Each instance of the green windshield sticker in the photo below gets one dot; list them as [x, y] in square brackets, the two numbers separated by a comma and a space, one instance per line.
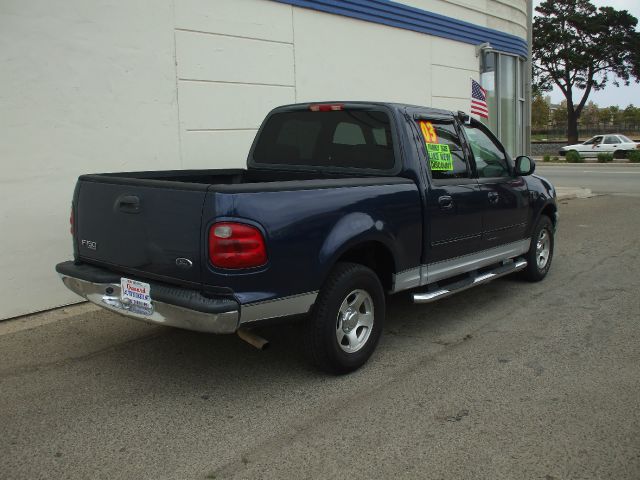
[439, 157]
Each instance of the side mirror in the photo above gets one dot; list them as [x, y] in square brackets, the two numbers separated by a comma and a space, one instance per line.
[525, 165]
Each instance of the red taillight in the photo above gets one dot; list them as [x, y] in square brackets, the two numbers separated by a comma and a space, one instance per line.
[236, 245]
[326, 107]
[71, 229]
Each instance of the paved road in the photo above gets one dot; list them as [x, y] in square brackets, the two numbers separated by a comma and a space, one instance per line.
[506, 381]
[599, 179]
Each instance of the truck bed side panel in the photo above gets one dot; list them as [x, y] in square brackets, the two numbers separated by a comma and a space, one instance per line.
[306, 230]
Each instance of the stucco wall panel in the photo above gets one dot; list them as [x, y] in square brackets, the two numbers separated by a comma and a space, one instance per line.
[217, 149]
[450, 82]
[247, 18]
[453, 54]
[231, 59]
[507, 16]
[449, 103]
[341, 58]
[228, 106]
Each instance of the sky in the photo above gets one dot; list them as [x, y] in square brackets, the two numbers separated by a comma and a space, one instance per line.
[611, 95]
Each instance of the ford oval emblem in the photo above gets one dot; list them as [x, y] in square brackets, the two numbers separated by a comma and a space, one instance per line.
[184, 263]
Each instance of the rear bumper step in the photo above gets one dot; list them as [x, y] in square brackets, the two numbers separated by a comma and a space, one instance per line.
[473, 281]
[172, 306]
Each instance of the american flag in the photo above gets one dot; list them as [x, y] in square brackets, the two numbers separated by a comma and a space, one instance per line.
[479, 100]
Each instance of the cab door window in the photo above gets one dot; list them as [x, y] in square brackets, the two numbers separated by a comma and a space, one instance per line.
[445, 157]
[491, 160]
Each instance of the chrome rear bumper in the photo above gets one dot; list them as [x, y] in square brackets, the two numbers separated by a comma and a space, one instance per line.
[107, 295]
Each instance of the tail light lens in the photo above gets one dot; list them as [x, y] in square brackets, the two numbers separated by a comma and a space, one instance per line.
[236, 245]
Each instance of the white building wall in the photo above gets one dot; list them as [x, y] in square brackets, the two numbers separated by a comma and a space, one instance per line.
[84, 87]
[108, 85]
[234, 63]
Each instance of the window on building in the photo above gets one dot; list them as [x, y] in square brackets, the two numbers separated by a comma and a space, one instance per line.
[503, 77]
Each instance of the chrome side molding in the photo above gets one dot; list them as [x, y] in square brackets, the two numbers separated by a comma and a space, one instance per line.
[279, 307]
[472, 281]
[434, 272]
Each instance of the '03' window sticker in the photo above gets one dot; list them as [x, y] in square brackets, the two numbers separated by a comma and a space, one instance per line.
[440, 158]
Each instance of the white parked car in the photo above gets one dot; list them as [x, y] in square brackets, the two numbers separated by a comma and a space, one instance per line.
[616, 144]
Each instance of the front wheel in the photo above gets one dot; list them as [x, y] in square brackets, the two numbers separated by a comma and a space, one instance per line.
[347, 319]
[541, 250]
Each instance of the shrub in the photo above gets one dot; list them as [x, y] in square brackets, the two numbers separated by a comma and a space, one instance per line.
[634, 156]
[605, 157]
[555, 159]
[574, 157]
[546, 158]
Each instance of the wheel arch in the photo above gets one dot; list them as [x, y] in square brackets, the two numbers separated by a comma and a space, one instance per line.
[373, 254]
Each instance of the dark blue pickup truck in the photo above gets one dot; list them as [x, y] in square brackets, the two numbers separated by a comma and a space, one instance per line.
[341, 204]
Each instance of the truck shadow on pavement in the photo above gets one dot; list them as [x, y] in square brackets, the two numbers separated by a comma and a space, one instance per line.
[186, 358]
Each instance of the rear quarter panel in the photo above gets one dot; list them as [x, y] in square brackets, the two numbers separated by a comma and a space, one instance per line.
[306, 231]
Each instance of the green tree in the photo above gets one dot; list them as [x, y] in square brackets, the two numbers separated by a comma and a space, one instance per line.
[560, 115]
[590, 115]
[604, 116]
[540, 112]
[578, 46]
[631, 115]
[615, 114]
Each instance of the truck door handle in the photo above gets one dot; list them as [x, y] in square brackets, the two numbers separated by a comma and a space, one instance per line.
[493, 197]
[128, 203]
[445, 202]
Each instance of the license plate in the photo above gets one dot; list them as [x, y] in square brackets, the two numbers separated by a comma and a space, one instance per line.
[136, 296]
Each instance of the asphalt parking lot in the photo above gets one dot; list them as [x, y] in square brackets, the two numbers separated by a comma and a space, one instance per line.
[506, 381]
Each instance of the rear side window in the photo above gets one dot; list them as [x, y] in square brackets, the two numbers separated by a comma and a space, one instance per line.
[343, 139]
[444, 150]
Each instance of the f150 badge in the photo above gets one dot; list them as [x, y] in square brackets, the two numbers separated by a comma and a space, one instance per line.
[90, 244]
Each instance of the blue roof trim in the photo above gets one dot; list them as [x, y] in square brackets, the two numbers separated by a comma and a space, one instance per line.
[397, 15]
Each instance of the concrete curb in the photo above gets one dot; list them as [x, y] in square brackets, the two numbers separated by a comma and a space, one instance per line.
[567, 193]
[540, 163]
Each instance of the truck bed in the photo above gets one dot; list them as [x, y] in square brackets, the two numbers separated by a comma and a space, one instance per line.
[142, 223]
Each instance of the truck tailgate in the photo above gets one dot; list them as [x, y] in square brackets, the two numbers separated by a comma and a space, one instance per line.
[140, 228]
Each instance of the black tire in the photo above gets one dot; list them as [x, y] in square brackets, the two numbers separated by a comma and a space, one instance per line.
[619, 154]
[326, 322]
[534, 272]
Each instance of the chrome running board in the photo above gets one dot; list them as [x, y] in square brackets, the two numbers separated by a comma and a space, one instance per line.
[469, 282]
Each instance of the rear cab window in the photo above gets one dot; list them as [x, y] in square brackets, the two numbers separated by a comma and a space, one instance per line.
[358, 138]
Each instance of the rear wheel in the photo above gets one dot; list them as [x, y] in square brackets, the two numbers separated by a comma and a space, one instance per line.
[540, 252]
[619, 154]
[347, 319]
